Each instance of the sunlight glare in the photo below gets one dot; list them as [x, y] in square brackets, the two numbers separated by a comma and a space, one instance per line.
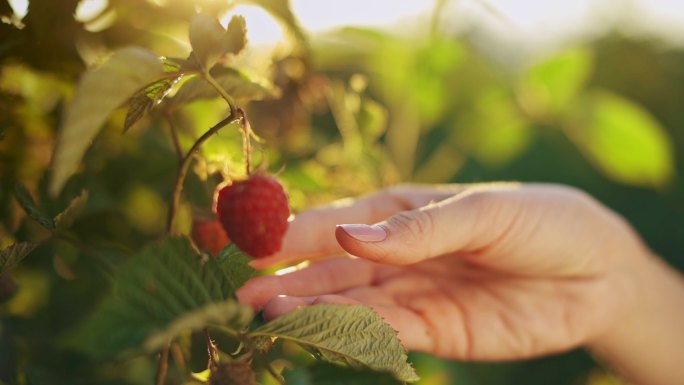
[261, 27]
[20, 7]
[89, 9]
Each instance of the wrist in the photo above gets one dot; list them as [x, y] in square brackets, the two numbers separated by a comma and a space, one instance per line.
[645, 343]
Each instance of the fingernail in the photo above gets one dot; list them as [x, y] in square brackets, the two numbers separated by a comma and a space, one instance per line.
[365, 233]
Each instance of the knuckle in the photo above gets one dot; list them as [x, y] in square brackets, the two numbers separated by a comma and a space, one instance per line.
[417, 225]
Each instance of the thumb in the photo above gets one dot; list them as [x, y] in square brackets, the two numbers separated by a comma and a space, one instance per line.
[412, 236]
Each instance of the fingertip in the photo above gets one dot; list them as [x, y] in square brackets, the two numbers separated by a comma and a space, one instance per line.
[282, 305]
[258, 291]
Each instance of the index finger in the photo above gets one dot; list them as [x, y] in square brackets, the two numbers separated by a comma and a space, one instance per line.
[311, 234]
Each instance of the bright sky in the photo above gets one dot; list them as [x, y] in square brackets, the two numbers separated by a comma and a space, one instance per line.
[530, 23]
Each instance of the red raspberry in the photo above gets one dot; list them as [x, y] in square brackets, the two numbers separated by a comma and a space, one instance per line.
[254, 213]
[209, 235]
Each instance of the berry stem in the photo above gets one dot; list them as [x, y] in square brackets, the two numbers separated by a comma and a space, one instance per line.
[245, 129]
[163, 365]
[185, 165]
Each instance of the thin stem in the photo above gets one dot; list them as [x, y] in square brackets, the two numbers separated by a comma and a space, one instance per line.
[271, 371]
[162, 366]
[245, 129]
[174, 135]
[178, 357]
[229, 99]
[185, 165]
[211, 349]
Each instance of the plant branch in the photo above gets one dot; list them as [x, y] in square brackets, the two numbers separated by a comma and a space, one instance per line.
[162, 366]
[174, 135]
[185, 165]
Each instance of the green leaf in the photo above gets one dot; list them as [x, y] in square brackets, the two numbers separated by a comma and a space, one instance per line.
[210, 41]
[281, 11]
[235, 263]
[238, 85]
[623, 140]
[100, 92]
[164, 289]
[354, 335]
[555, 82]
[13, 254]
[322, 373]
[75, 207]
[144, 100]
[26, 201]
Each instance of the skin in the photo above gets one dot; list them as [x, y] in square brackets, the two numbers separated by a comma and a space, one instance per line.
[489, 272]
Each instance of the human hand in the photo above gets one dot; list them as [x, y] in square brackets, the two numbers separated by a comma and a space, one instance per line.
[486, 272]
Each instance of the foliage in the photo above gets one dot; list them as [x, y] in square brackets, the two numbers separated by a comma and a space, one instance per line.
[106, 278]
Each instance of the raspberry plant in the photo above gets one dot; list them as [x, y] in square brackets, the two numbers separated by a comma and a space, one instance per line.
[173, 290]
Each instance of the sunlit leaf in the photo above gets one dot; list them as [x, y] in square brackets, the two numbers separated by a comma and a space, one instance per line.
[163, 290]
[497, 133]
[13, 254]
[322, 373]
[210, 41]
[555, 82]
[66, 217]
[235, 38]
[237, 84]
[623, 140]
[235, 264]
[99, 93]
[26, 201]
[144, 100]
[349, 334]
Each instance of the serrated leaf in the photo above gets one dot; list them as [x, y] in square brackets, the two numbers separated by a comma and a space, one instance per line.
[349, 334]
[623, 140]
[237, 84]
[13, 254]
[144, 100]
[229, 314]
[282, 11]
[235, 263]
[97, 95]
[322, 373]
[161, 291]
[75, 207]
[26, 201]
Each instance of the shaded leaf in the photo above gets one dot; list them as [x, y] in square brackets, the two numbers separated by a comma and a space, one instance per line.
[210, 41]
[75, 207]
[26, 201]
[623, 140]
[144, 100]
[163, 290]
[235, 263]
[349, 334]
[13, 254]
[99, 92]
[322, 373]
[237, 84]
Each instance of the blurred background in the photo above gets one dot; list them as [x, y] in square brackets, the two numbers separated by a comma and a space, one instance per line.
[372, 93]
